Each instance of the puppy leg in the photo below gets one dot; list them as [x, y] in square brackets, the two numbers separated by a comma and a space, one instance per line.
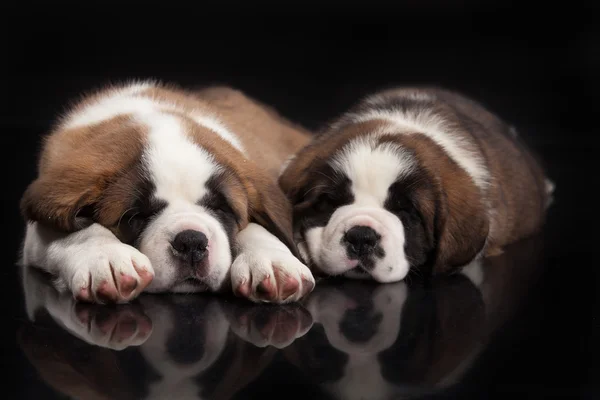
[265, 270]
[92, 263]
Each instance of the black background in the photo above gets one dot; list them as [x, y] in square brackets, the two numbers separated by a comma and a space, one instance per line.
[534, 65]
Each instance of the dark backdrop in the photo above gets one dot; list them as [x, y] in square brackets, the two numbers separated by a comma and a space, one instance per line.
[535, 65]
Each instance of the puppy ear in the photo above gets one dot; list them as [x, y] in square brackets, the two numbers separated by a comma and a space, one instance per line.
[74, 168]
[302, 180]
[63, 203]
[272, 210]
[294, 177]
[462, 228]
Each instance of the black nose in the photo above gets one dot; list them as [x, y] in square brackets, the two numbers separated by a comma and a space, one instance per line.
[190, 246]
[361, 241]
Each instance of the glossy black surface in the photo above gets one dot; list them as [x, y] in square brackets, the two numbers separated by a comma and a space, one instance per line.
[526, 323]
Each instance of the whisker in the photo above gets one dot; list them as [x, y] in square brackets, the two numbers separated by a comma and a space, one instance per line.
[122, 215]
[314, 188]
[332, 179]
[130, 218]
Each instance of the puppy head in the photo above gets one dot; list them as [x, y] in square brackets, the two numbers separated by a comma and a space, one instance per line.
[375, 205]
[172, 188]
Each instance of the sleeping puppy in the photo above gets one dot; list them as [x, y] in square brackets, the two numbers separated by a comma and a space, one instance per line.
[419, 178]
[148, 187]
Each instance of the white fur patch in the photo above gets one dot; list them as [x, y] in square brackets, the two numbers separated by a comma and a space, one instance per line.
[474, 271]
[179, 170]
[372, 169]
[178, 167]
[131, 100]
[436, 128]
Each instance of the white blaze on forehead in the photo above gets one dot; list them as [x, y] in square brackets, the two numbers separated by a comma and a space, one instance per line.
[217, 126]
[131, 100]
[177, 166]
[436, 128]
[372, 168]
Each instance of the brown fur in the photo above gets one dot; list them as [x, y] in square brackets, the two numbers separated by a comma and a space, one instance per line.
[459, 221]
[517, 191]
[76, 166]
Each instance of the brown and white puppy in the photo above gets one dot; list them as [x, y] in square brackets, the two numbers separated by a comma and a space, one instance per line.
[412, 178]
[150, 187]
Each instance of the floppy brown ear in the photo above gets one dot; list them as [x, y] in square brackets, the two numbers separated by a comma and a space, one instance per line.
[462, 228]
[75, 166]
[296, 174]
[272, 210]
[301, 175]
[63, 202]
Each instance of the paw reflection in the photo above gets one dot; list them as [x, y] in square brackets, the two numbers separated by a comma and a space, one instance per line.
[113, 328]
[270, 326]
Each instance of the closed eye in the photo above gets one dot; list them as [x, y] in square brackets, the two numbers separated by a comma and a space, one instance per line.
[218, 203]
[139, 214]
[223, 207]
[326, 202]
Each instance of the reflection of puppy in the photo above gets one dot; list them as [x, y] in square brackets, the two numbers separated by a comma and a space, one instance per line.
[390, 341]
[354, 323]
[412, 178]
[442, 331]
[147, 187]
[184, 347]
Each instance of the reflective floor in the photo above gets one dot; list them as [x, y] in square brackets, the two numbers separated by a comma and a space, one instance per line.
[457, 337]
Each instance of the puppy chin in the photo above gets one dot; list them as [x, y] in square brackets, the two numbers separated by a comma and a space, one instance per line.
[328, 253]
[170, 275]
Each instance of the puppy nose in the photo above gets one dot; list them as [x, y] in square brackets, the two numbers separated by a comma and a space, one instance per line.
[361, 241]
[190, 245]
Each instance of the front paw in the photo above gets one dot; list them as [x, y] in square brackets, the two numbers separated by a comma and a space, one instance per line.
[107, 273]
[270, 275]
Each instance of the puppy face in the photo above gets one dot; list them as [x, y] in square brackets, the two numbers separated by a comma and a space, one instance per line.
[375, 206]
[362, 217]
[175, 185]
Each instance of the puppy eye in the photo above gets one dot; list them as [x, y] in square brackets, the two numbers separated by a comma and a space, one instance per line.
[218, 204]
[224, 208]
[325, 202]
[132, 218]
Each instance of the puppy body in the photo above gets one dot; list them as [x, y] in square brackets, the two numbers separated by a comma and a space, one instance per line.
[146, 186]
[413, 177]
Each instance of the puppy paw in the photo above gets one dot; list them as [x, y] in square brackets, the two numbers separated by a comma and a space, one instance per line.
[270, 275]
[107, 273]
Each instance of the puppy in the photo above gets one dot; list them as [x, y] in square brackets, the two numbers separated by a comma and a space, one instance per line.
[149, 187]
[419, 178]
